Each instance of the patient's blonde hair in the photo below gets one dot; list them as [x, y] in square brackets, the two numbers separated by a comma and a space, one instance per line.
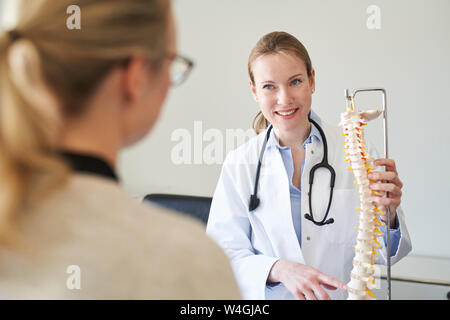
[272, 43]
[48, 72]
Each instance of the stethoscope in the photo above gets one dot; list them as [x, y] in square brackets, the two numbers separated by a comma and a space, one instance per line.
[254, 200]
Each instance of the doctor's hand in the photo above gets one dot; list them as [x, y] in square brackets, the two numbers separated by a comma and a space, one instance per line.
[302, 281]
[387, 181]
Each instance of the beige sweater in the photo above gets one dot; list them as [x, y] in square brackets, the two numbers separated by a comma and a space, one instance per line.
[124, 250]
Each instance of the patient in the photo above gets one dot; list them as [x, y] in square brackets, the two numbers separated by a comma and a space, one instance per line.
[70, 100]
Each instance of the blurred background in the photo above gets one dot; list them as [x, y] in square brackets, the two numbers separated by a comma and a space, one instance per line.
[402, 46]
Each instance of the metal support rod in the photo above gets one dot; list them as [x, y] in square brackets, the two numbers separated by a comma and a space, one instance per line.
[388, 223]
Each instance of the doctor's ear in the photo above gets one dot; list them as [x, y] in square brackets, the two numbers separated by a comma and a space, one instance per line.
[253, 90]
[312, 80]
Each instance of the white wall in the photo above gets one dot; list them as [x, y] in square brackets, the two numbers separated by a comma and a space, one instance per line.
[408, 56]
[8, 10]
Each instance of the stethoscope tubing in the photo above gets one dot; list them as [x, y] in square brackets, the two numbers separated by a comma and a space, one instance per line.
[254, 200]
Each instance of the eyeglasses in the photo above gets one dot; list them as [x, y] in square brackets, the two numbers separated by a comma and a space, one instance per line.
[179, 69]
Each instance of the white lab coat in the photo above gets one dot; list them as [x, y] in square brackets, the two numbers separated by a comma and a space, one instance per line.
[255, 240]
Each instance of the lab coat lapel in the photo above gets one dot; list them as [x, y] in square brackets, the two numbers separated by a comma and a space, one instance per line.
[275, 208]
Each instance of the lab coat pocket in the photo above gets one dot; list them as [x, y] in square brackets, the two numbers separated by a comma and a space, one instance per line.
[343, 211]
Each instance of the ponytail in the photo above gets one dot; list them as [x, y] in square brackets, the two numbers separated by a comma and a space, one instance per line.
[4, 42]
[27, 133]
[259, 123]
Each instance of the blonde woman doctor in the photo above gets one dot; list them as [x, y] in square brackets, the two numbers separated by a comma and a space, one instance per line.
[275, 252]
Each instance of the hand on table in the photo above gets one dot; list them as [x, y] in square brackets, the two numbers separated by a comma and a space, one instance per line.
[304, 282]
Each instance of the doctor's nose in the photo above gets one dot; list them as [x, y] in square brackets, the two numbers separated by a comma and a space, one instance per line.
[284, 98]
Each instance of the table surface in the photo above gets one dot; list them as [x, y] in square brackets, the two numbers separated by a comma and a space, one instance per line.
[422, 269]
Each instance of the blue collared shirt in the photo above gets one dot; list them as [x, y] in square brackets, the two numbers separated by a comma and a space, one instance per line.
[296, 195]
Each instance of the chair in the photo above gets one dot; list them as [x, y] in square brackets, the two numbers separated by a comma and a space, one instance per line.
[194, 206]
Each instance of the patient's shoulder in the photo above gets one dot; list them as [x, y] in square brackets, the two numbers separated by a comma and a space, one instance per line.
[176, 258]
[125, 249]
[186, 253]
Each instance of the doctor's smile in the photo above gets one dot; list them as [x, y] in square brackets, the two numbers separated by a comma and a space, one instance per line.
[287, 114]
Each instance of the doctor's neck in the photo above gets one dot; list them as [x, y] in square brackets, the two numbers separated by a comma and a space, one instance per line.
[295, 137]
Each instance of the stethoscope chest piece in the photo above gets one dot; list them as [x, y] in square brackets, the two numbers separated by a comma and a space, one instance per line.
[254, 202]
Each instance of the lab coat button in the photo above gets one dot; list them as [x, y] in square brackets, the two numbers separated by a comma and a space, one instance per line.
[308, 238]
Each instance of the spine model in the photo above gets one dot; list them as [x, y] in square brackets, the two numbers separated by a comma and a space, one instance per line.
[361, 277]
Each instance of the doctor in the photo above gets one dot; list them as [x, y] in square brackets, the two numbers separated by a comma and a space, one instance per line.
[276, 252]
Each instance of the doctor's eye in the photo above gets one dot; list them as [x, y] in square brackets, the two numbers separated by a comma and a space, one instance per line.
[296, 82]
[268, 86]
